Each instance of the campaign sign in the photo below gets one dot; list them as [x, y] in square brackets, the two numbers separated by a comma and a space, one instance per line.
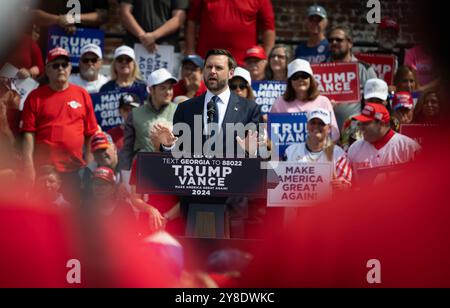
[106, 108]
[300, 184]
[266, 92]
[160, 173]
[286, 129]
[57, 37]
[383, 65]
[338, 81]
[419, 132]
[163, 57]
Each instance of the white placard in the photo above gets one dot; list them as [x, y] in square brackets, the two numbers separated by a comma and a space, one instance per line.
[301, 184]
[163, 57]
[23, 86]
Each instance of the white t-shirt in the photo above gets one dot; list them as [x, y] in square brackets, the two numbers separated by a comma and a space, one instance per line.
[399, 149]
[90, 86]
[298, 152]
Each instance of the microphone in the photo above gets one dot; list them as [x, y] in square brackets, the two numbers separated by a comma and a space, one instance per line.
[211, 111]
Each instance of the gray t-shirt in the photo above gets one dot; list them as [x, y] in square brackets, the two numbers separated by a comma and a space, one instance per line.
[151, 15]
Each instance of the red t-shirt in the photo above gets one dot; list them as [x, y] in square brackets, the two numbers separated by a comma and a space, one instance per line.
[117, 135]
[60, 120]
[180, 89]
[26, 55]
[230, 24]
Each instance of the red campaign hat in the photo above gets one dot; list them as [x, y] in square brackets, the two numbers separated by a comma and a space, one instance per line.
[372, 112]
[100, 140]
[57, 52]
[389, 22]
[402, 100]
[256, 52]
[105, 173]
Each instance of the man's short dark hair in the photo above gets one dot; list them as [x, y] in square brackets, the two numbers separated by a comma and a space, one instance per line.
[222, 52]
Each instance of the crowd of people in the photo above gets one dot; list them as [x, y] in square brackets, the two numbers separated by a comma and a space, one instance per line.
[55, 147]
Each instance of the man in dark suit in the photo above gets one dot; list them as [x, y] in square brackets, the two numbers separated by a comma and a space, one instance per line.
[210, 115]
[207, 117]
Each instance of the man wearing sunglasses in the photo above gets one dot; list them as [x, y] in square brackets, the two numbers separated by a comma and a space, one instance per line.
[57, 120]
[90, 65]
[341, 43]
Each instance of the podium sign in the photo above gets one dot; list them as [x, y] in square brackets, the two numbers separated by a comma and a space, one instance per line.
[160, 173]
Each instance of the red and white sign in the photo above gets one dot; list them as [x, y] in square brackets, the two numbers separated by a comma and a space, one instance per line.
[338, 81]
[383, 65]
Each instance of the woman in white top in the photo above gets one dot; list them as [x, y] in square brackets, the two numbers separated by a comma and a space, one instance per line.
[319, 148]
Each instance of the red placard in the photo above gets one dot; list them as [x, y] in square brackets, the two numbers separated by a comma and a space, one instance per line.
[383, 65]
[338, 81]
[421, 133]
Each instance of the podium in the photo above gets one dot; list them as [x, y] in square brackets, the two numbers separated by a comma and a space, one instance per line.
[207, 221]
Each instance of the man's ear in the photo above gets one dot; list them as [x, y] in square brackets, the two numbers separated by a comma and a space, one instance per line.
[231, 74]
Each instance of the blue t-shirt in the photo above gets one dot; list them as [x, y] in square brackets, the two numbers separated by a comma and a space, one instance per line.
[313, 55]
[138, 87]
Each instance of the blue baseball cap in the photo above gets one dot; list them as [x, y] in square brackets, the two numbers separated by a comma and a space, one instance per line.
[317, 10]
[197, 60]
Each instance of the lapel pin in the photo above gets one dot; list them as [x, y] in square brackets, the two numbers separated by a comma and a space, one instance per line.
[235, 109]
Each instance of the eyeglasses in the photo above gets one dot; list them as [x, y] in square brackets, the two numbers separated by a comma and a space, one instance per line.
[234, 86]
[87, 60]
[281, 57]
[56, 66]
[300, 75]
[124, 59]
[337, 39]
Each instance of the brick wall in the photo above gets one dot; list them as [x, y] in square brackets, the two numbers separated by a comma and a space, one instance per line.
[290, 16]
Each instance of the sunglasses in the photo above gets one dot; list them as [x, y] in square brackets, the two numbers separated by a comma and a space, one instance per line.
[300, 75]
[124, 59]
[87, 60]
[335, 39]
[241, 86]
[56, 66]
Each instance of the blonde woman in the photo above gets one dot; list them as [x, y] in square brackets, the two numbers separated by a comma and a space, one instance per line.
[125, 75]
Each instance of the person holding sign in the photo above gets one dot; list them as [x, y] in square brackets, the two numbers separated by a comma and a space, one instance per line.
[241, 83]
[152, 22]
[381, 146]
[302, 94]
[125, 74]
[341, 43]
[319, 148]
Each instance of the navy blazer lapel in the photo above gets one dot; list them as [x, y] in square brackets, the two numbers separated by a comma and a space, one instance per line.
[232, 110]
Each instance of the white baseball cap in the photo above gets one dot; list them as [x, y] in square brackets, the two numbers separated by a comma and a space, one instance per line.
[320, 113]
[243, 73]
[299, 65]
[376, 88]
[160, 76]
[91, 48]
[124, 50]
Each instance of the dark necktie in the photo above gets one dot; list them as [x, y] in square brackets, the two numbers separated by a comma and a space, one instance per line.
[212, 114]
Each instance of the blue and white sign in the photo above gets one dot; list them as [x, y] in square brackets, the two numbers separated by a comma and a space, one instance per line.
[286, 129]
[57, 37]
[266, 92]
